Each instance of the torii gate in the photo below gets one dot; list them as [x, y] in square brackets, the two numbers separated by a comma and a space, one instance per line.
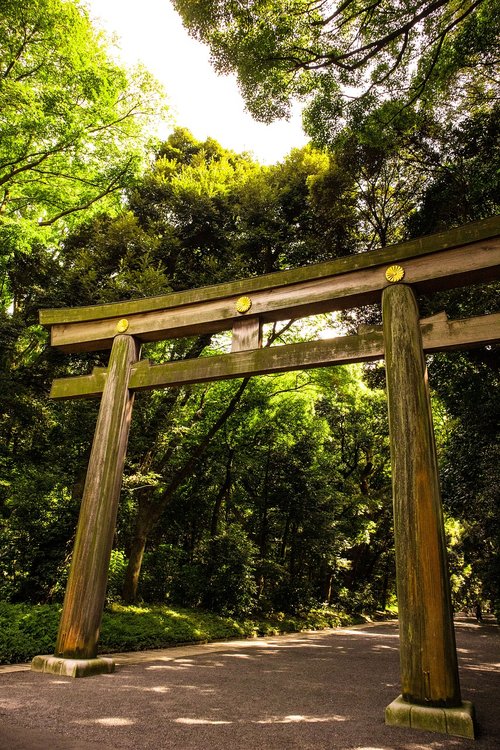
[431, 697]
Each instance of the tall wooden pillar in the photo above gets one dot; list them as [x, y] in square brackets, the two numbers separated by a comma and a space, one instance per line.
[429, 671]
[86, 588]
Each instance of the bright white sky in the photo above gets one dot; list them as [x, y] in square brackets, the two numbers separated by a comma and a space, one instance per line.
[151, 32]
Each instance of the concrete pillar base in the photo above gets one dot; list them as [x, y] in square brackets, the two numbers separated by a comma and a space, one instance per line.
[72, 667]
[457, 721]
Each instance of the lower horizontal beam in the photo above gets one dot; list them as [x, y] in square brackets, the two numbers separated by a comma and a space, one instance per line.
[438, 334]
[305, 355]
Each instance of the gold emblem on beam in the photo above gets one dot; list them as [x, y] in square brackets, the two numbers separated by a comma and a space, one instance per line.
[394, 273]
[122, 325]
[244, 304]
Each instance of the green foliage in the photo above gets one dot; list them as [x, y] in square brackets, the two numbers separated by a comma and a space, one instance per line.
[469, 385]
[269, 496]
[116, 575]
[26, 631]
[72, 121]
[137, 628]
[465, 185]
[161, 572]
[294, 500]
[223, 573]
[346, 58]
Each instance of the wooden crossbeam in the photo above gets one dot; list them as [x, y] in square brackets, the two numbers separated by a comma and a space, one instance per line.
[463, 256]
[438, 334]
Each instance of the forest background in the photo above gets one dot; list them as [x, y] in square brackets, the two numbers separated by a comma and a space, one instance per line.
[269, 496]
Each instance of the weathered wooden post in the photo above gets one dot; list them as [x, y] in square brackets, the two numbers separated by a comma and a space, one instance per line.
[429, 674]
[76, 648]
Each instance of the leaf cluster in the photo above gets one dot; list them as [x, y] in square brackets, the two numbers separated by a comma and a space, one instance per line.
[345, 58]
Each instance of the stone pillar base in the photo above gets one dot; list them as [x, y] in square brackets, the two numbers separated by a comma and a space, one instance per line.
[457, 721]
[72, 667]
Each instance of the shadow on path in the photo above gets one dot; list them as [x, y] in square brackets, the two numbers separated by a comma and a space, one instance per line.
[325, 690]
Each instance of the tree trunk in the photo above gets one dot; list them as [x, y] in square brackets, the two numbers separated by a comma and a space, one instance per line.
[147, 516]
[222, 493]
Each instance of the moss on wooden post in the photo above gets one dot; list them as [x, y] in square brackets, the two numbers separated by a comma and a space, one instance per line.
[86, 589]
[429, 672]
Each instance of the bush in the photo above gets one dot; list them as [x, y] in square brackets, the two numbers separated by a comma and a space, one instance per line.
[229, 573]
[160, 571]
[116, 575]
[139, 628]
[294, 595]
[222, 576]
[27, 630]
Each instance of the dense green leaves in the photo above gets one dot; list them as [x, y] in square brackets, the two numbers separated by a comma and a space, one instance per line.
[347, 57]
[71, 119]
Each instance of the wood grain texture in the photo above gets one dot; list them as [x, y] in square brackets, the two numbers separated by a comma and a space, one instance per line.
[467, 234]
[467, 265]
[429, 672]
[86, 589]
[438, 334]
[247, 334]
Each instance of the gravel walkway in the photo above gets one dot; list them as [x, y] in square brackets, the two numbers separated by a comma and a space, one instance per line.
[314, 691]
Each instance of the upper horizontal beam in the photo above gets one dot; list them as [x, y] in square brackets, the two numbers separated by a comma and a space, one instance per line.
[438, 334]
[469, 233]
[427, 272]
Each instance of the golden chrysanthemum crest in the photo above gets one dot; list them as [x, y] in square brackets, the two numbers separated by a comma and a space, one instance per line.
[244, 304]
[394, 273]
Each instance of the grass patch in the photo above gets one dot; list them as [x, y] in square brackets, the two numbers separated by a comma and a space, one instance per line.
[27, 630]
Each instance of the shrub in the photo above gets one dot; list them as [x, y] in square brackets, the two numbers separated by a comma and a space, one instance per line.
[116, 574]
[27, 630]
[161, 571]
[221, 578]
[229, 573]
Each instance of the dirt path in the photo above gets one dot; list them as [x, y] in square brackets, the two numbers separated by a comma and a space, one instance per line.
[321, 691]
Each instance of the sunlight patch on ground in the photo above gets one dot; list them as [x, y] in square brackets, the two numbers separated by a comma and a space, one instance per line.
[365, 634]
[481, 667]
[200, 721]
[299, 718]
[107, 721]
[269, 652]
[10, 704]
[157, 689]
[203, 689]
[295, 644]
[274, 671]
[115, 721]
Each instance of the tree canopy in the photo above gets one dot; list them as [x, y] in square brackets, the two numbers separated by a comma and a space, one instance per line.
[72, 123]
[345, 58]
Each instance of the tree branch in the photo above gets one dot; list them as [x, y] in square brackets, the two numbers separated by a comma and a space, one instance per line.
[109, 189]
